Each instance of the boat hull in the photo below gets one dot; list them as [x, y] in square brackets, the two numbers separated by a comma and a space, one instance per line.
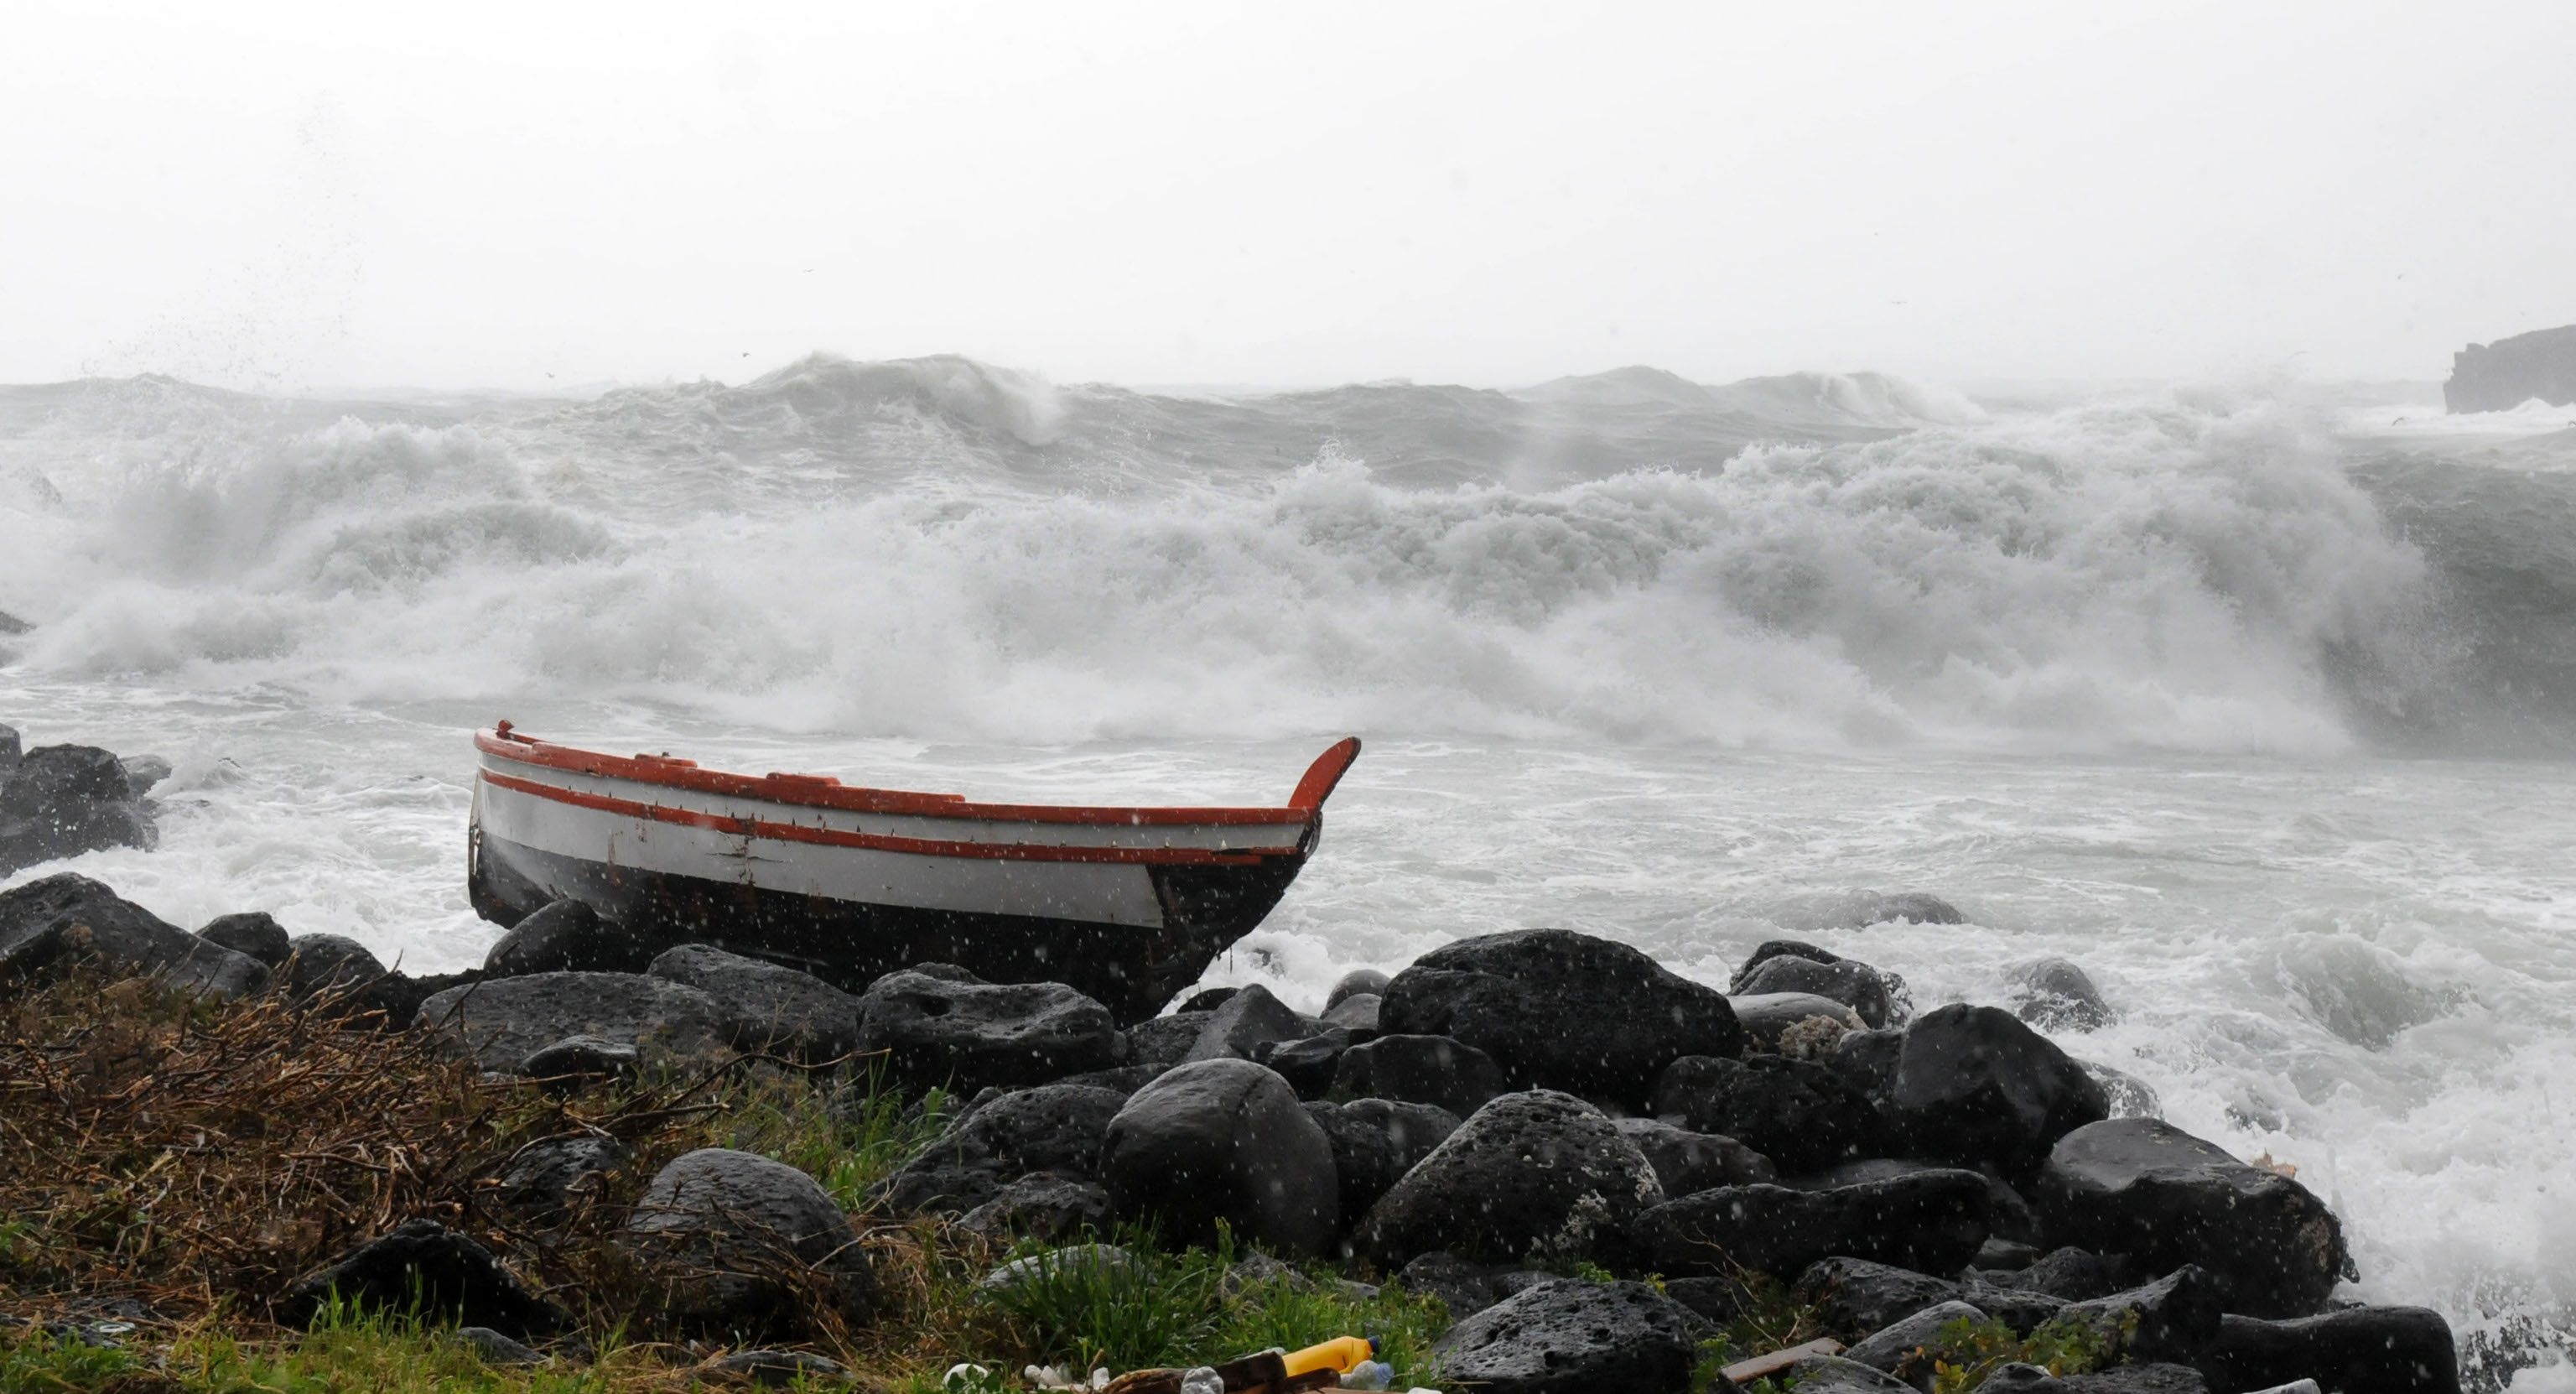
[1127, 905]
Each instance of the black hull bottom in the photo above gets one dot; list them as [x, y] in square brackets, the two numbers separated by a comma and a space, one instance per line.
[1133, 971]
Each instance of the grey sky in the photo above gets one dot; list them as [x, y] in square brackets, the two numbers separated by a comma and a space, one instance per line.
[452, 196]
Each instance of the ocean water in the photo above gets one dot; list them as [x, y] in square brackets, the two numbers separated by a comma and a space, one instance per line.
[2257, 700]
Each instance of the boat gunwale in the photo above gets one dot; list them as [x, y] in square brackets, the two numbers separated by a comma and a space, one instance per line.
[816, 791]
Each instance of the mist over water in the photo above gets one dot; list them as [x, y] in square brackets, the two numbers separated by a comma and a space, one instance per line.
[2254, 699]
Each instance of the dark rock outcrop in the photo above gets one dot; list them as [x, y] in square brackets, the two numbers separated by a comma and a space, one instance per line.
[67, 920]
[2055, 994]
[1909, 1347]
[553, 1176]
[1043, 1205]
[2071, 1274]
[1359, 982]
[1831, 1374]
[1974, 1085]
[1165, 1040]
[1929, 1221]
[1801, 1115]
[1376, 1141]
[501, 1023]
[2173, 1318]
[768, 1007]
[1854, 984]
[1309, 1064]
[1687, 1161]
[2147, 1189]
[2360, 1350]
[1561, 1010]
[950, 1027]
[1466, 1287]
[1357, 1014]
[448, 1275]
[63, 800]
[1854, 1297]
[1567, 1336]
[1250, 1019]
[254, 933]
[1053, 1128]
[1773, 1021]
[746, 1244]
[332, 965]
[576, 1060]
[1532, 1176]
[565, 937]
[2007, 1213]
[1435, 1070]
[1224, 1140]
[2509, 372]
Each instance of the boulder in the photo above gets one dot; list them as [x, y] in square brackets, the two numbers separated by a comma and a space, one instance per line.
[770, 1008]
[969, 1034]
[1564, 1011]
[2173, 1318]
[2007, 1213]
[1044, 1205]
[448, 1276]
[1463, 1287]
[1246, 1021]
[1435, 1070]
[1868, 1060]
[565, 937]
[1854, 1297]
[746, 1244]
[1770, 949]
[1928, 1221]
[1974, 1085]
[63, 800]
[1772, 1022]
[2509, 372]
[1909, 1348]
[1224, 1140]
[2129, 1096]
[2122, 1379]
[1798, 1113]
[2145, 1188]
[1359, 982]
[553, 1176]
[142, 772]
[333, 964]
[1567, 1336]
[2359, 1350]
[1720, 1300]
[1122, 1080]
[1356, 1014]
[253, 933]
[1055, 1128]
[1206, 999]
[501, 1023]
[1308, 1065]
[1376, 1141]
[1831, 1374]
[1535, 1177]
[1687, 1161]
[1165, 1040]
[67, 921]
[2055, 995]
[575, 1060]
[2070, 1274]
[1855, 985]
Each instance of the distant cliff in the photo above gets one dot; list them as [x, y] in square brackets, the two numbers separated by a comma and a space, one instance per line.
[2510, 372]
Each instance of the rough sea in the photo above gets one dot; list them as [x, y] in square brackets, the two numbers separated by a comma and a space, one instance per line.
[2257, 700]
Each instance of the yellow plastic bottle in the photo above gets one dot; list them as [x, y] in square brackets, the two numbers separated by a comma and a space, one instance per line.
[1340, 1353]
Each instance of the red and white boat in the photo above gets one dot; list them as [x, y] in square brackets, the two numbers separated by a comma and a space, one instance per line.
[1127, 904]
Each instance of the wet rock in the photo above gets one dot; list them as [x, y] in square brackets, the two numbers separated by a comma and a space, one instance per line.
[1056, 1128]
[2360, 1350]
[780, 1369]
[746, 1244]
[1867, 1059]
[565, 937]
[2147, 1189]
[1356, 1014]
[770, 1008]
[1770, 949]
[1929, 1221]
[330, 964]
[1043, 1205]
[969, 1034]
[495, 1349]
[12, 746]
[1245, 1022]
[2055, 995]
[1165, 1040]
[1974, 1085]
[1208, 999]
[2005, 1255]
[1465, 1287]
[142, 772]
[1718, 1300]
[66, 921]
[1854, 1297]
[1832, 1374]
[578, 1059]
[1376, 1141]
[1436, 1070]
[447, 1275]
[1122, 1080]
[252, 933]
[1566, 1336]
[1533, 1176]
[2173, 1318]
[2075, 1275]
[501, 1023]
[1798, 1113]
[1908, 1348]
[1359, 982]
[1308, 1065]
[1687, 1161]
[1913, 907]
[554, 1176]
[2128, 1095]
[1770, 1017]
[1854, 985]
[1224, 1140]
[63, 800]
[2124, 1379]
[2007, 1213]
[1563, 1011]
[399, 995]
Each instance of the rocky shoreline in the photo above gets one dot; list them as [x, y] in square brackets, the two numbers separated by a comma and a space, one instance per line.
[1609, 1176]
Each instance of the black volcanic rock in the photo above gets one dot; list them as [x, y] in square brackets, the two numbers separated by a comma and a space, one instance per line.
[63, 800]
[1928, 1221]
[1532, 1177]
[2509, 372]
[67, 920]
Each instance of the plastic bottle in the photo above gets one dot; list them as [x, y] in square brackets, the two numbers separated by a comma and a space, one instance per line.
[1340, 1353]
[1201, 1379]
[1369, 1375]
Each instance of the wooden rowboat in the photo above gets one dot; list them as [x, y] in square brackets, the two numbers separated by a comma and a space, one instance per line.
[1127, 904]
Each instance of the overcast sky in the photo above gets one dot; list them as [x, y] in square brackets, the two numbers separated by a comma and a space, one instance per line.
[510, 197]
